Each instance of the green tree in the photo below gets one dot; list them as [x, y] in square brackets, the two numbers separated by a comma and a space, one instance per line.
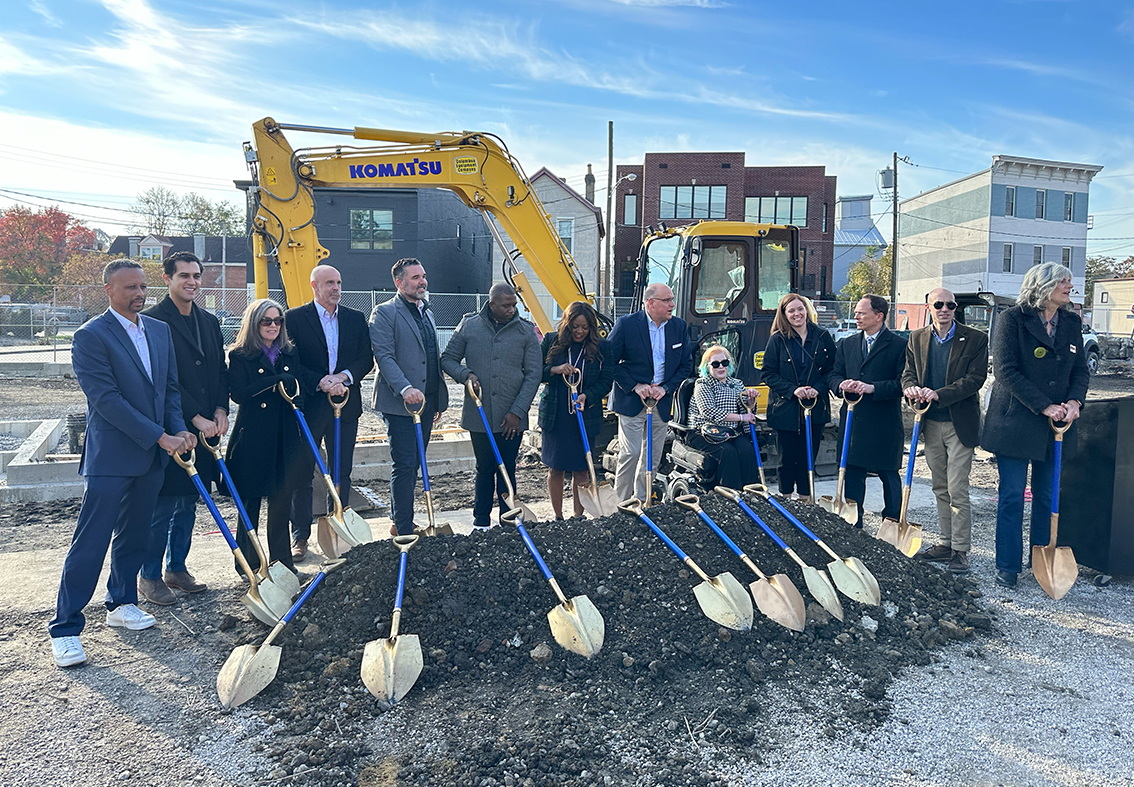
[200, 215]
[158, 212]
[871, 274]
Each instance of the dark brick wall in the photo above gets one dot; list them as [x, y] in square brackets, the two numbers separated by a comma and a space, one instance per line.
[728, 169]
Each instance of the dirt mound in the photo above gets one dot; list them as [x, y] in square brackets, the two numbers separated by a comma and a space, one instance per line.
[491, 707]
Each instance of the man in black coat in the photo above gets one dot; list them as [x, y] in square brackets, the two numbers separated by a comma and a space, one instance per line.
[871, 363]
[333, 342]
[203, 382]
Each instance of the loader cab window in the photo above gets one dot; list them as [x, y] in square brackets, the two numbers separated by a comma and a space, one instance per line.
[721, 279]
[775, 272]
[664, 255]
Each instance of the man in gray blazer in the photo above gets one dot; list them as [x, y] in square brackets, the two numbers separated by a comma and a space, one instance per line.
[404, 337]
[126, 366]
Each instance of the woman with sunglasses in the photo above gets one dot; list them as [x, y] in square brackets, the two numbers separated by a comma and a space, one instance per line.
[719, 421]
[797, 361]
[1040, 373]
[267, 455]
[574, 349]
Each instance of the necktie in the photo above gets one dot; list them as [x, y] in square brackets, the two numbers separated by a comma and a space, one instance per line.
[870, 343]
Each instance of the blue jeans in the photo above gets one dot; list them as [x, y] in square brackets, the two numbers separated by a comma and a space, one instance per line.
[1010, 509]
[170, 534]
[404, 456]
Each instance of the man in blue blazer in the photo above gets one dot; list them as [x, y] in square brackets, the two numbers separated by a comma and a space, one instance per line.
[126, 366]
[654, 354]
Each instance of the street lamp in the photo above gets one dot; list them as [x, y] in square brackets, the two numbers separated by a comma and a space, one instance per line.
[607, 279]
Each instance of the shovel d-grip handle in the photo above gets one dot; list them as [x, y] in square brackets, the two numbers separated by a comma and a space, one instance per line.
[205, 496]
[693, 503]
[733, 495]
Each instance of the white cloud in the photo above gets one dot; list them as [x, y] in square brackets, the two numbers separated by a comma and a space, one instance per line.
[40, 7]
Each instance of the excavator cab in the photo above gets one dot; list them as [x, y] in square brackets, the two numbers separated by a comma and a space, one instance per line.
[727, 278]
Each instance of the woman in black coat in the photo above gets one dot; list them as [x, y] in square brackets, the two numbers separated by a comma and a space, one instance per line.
[267, 455]
[575, 346]
[1040, 373]
[797, 361]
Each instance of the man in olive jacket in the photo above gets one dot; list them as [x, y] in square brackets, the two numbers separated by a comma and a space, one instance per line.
[946, 365]
[501, 354]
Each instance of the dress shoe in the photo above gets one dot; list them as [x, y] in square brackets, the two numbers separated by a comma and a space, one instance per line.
[183, 580]
[129, 616]
[299, 549]
[959, 564]
[1006, 579]
[393, 530]
[67, 651]
[156, 592]
[937, 554]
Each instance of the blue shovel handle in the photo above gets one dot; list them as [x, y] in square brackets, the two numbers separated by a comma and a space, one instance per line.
[338, 441]
[807, 427]
[755, 445]
[306, 594]
[543, 569]
[310, 440]
[421, 455]
[649, 438]
[913, 449]
[720, 533]
[208, 500]
[488, 431]
[401, 581]
[763, 526]
[790, 517]
[846, 438]
[579, 418]
[661, 534]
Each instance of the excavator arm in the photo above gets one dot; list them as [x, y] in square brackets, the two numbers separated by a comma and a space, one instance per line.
[475, 166]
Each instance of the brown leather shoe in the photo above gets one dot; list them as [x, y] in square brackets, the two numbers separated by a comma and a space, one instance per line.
[156, 592]
[936, 554]
[960, 563]
[183, 580]
[393, 530]
[299, 549]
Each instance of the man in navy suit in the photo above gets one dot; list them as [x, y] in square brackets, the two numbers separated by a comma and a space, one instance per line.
[333, 343]
[654, 355]
[126, 366]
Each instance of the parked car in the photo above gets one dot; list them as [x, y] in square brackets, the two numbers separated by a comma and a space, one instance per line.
[229, 327]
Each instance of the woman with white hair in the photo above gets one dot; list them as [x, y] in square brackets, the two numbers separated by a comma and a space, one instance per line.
[1040, 373]
[719, 420]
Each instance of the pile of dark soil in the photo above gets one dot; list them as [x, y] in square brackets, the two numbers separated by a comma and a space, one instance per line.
[500, 703]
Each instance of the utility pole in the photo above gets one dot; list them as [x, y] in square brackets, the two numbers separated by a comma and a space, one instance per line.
[894, 252]
[606, 278]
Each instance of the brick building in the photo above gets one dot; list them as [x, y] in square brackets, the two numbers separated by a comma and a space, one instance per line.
[682, 188]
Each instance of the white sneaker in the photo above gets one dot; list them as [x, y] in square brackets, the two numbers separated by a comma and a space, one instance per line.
[131, 617]
[67, 651]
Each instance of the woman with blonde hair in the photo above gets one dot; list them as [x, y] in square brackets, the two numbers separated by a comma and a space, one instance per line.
[797, 361]
[267, 455]
[718, 420]
[1040, 373]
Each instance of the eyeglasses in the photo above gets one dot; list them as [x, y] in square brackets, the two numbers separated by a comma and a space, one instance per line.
[664, 300]
[719, 364]
[266, 321]
[950, 305]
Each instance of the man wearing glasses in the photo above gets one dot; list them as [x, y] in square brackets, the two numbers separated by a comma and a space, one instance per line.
[653, 355]
[946, 365]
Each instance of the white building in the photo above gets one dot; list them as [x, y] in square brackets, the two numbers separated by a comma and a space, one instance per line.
[854, 234]
[983, 232]
[580, 226]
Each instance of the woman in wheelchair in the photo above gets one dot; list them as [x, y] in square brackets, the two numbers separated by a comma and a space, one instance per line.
[575, 347]
[719, 421]
[797, 361]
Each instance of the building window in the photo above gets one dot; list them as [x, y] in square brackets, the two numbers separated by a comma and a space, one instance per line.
[693, 202]
[1007, 257]
[458, 236]
[630, 210]
[1041, 202]
[824, 218]
[150, 252]
[1105, 297]
[566, 230]
[1037, 255]
[1010, 201]
[1067, 257]
[372, 230]
[776, 210]
[1068, 205]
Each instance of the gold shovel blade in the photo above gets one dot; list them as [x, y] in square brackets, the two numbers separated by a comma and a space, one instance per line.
[390, 667]
[779, 599]
[848, 511]
[598, 501]
[329, 543]
[822, 591]
[851, 577]
[261, 611]
[577, 626]
[888, 532]
[279, 576]
[359, 528]
[724, 601]
[909, 539]
[827, 503]
[1055, 569]
[247, 671]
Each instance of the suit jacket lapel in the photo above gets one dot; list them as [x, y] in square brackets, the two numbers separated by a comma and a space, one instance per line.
[316, 324]
[1034, 323]
[120, 334]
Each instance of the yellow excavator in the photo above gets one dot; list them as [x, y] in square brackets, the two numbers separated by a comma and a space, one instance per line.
[727, 276]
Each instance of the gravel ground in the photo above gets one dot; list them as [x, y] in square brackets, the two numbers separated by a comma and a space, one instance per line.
[1044, 698]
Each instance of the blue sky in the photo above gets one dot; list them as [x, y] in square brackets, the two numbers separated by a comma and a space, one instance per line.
[101, 99]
